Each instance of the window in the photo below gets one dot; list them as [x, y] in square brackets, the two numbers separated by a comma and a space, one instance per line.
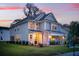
[30, 25]
[17, 37]
[53, 27]
[37, 25]
[15, 29]
[30, 36]
[33, 25]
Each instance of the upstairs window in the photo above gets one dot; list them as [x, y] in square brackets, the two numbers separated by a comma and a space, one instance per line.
[31, 25]
[37, 26]
[16, 29]
[53, 27]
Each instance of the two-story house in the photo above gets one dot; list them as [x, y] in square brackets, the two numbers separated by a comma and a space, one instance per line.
[37, 28]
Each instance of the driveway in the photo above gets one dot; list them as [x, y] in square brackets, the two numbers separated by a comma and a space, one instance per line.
[70, 54]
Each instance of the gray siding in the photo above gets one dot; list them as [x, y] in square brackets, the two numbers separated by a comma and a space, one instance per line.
[5, 35]
[21, 30]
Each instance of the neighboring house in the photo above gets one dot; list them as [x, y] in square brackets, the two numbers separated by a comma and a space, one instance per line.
[37, 29]
[4, 34]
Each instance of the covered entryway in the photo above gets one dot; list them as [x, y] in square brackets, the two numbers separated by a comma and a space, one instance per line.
[35, 38]
[56, 39]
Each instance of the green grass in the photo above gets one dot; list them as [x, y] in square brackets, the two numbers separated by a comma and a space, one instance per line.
[23, 50]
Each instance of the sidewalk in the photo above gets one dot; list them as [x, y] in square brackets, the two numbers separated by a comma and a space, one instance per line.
[70, 54]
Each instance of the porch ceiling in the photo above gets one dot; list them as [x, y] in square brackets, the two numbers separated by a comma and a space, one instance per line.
[56, 34]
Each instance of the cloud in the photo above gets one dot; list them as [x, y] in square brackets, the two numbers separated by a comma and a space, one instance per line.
[10, 7]
[6, 20]
[75, 5]
[68, 8]
[5, 23]
[46, 9]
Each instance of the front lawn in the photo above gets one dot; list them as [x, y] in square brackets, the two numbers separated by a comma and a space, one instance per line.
[24, 50]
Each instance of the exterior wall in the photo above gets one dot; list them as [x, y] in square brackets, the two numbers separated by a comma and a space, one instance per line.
[21, 31]
[45, 26]
[42, 26]
[5, 35]
[46, 38]
[48, 26]
[59, 28]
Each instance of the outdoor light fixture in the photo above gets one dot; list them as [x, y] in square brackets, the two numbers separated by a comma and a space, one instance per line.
[49, 37]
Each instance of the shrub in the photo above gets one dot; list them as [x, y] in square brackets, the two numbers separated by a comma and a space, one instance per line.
[40, 45]
[26, 42]
[52, 42]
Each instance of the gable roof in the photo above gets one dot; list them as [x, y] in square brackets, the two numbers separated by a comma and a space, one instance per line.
[39, 17]
[24, 20]
[21, 22]
[50, 17]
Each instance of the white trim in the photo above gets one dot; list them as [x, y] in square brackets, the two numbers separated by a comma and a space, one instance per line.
[57, 34]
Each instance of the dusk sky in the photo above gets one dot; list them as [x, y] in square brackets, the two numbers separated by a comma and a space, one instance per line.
[64, 13]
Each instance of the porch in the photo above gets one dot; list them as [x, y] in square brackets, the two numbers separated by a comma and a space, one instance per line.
[46, 38]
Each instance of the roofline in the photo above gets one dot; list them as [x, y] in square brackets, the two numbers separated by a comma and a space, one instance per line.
[7, 28]
[62, 26]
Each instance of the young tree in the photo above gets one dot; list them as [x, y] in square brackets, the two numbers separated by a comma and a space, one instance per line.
[30, 9]
[73, 34]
